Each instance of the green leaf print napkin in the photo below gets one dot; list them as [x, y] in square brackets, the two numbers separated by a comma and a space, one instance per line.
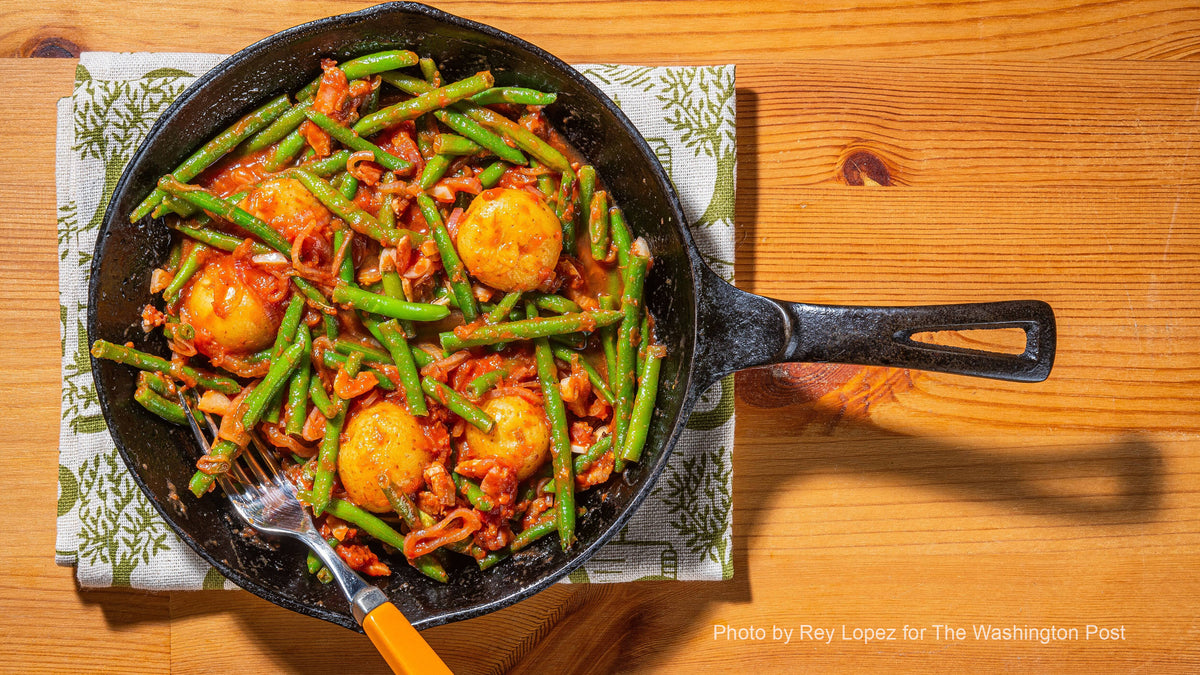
[106, 527]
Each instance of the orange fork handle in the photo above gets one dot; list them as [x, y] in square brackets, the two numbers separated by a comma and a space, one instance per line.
[400, 644]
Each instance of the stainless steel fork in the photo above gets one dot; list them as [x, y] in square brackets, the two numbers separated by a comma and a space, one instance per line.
[263, 496]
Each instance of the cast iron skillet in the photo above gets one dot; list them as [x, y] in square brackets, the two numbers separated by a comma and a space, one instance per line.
[710, 327]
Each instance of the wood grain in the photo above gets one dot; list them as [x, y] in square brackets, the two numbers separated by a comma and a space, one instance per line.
[1024, 161]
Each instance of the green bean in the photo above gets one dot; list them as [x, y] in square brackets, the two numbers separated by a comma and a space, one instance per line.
[352, 140]
[574, 341]
[215, 149]
[545, 184]
[103, 349]
[322, 488]
[390, 335]
[346, 185]
[359, 220]
[164, 408]
[187, 269]
[429, 565]
[473, 130]
[227, 210]
[554, 303]
[473, 492]
[434, 169]
[560, 443]
[280, 128]
[452, 144]
[521, 137]
[643, 406]
[503, 308]
[347, 346]
[314, 296]
[345, 270]
[407, 83]
[587, 188]
[421, 357]
[332, 360]
[297, 397]
[387, 306]
[286, 151]
[458, 404]
[271, 384]
[598, 383]
[623, 381]
[222, 451]
[275, 407]
[387, 216]
[593, 453]
[358, 68]
[480, 385]
[353, 364]
[286, 334]
[453, 265]
[608, 338]
[174, 330]
[492, 175]
[565, 209]
[328, 408]
[529, 329]
[393, 287]
[598, 225]
[516, 95]
[366, 522]
[491, 559]
[644, 342]
[313, 563]
[622, 239]
[220, 240]
[323, 168]
[429, 71]
[534, 532]
[413, 108]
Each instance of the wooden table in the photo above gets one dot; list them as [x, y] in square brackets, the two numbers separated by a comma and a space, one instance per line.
[1022, 149]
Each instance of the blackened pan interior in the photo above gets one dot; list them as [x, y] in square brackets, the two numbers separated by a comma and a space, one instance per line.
[161, 456]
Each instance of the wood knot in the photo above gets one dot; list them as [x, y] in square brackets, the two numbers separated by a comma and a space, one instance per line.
[49, 47]
[789, 383]
[862, 167]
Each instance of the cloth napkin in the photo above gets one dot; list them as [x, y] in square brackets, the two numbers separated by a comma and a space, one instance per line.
[106, 526]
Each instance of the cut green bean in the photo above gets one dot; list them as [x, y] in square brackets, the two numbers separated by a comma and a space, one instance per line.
[564, 208]
[157, 404]
[214, 150]
[280, 128]
[429, 565]
[271, 385]
[492, 174]
[103, 349]
[435, 168]
[328, 408]
[358, 68]
[391, 336]
[221, 452]
[521, 137]
[482, 384]
[643, 406]
[187, 269]
[554, 303]
[286, 151]
[492, 559]
[473, 492]
[388, 306]
[503, 308]
[346, 346]
[365, 521]
[359, 220]
[229, 211]
[430, 72]
[471, 129]
[529, 329]
[297, 396]
[458, 404]
[560, 443]
[322, 489]
[352, 140]
[452, 144]
[413, 108]
[333, 360]
[346, 185]
[622, 239]
[455, 271]
[624, 380]
[535, 532]
[220, 240]
[324, 168]
[515, 95]
[608, 339]
[593, 453]
[286, 334]
[598, 383]
[598, 239]
[314, 296]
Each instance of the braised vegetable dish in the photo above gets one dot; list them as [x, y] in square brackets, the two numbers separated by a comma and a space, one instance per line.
[416, 294]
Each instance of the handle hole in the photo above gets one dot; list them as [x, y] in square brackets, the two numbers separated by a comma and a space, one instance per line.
[995, 340]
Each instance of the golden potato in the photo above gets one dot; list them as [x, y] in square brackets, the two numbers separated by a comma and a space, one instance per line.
[510, 240]
[382, 439]
[520, 439]
[286, 205]
[234, 315]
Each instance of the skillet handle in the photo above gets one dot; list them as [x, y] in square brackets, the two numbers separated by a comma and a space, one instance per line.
[742, 330]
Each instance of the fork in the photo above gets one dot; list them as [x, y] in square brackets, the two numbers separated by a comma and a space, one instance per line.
[264, 498]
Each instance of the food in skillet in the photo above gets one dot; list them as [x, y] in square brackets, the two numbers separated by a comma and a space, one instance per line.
[420, 297]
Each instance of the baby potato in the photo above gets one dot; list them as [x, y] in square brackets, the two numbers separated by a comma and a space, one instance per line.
[382, 439]
[510, 240]
[520, 440]
[234, 315]
[286, 205]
